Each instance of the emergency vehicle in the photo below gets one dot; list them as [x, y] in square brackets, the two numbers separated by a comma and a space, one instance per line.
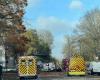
[77, 65]
[27, 68]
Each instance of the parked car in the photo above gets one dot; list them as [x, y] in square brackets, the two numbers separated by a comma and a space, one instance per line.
[10, 70]
[48, 66]
[58, 69]
[94, 68]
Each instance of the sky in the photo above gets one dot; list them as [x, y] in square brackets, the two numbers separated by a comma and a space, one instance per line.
[60, 17]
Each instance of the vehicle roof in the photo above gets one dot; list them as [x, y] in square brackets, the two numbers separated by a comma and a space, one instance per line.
[95, 62]
[23, 57]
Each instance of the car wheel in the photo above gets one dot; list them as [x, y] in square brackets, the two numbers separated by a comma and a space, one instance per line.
[92, 73]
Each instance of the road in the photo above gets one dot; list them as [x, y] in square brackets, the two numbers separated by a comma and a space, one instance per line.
[59, 78]
[72, 78]
[11, 76]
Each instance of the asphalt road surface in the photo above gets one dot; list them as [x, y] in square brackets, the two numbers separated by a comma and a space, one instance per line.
[60, 76]
[73, 78]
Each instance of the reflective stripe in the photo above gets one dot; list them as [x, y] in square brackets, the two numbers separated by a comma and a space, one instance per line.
[76, 73]
[27, 66]
[77, 64]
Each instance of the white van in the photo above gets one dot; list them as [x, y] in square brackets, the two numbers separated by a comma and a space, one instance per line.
[94, 68]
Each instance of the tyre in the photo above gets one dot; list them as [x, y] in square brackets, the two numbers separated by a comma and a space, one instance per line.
[91, 72]
[68, 74]
[21, 78]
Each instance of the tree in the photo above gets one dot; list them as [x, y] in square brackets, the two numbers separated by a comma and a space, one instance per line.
[33, 42]
[45, 36]
[86, 47]
[89, 27]
[70, 46]
[39, 46]
[11, 13]
[45, 45]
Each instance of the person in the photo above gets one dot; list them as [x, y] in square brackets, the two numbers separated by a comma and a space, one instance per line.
[0, 72]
